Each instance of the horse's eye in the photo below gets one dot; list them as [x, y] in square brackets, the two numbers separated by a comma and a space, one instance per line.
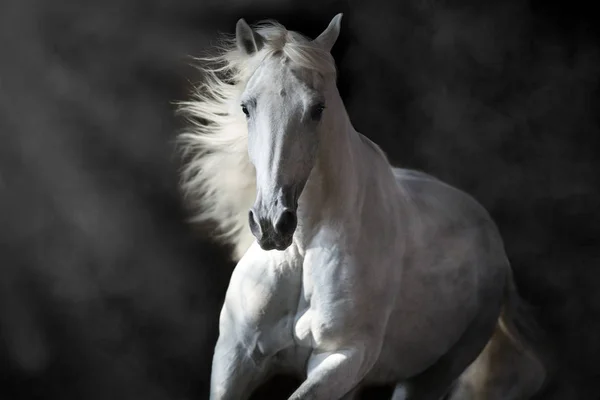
[245, 110]
[317, 111]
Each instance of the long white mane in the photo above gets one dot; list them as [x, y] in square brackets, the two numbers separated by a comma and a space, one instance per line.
[218, 180]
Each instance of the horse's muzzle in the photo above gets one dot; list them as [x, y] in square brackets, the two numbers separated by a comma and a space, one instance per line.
[273, 233]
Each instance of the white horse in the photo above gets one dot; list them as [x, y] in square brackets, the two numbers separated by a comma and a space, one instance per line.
[351, 272]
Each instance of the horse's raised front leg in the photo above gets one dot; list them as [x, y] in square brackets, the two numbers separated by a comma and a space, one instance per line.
[347, 320]
[334, 374]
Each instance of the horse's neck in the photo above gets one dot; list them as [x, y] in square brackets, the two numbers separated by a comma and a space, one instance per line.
[337, 184]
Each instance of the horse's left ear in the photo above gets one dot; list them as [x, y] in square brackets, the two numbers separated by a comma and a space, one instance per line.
[248, 41]
[327, 39]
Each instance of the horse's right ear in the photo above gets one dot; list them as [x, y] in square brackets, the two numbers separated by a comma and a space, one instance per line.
[248, 41]
[327, 39]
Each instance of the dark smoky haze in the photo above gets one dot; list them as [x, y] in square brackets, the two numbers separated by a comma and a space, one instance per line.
[107, 293]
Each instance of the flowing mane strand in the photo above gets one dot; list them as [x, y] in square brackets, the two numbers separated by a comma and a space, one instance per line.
[218, 180]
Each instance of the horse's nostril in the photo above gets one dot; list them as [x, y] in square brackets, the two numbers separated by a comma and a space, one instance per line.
[286, 224]
[254, 225]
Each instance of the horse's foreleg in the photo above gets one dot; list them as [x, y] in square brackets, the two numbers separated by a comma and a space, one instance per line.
[332, 375]
[234, 373]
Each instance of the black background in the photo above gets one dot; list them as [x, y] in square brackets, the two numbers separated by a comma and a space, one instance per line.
[105, 292]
